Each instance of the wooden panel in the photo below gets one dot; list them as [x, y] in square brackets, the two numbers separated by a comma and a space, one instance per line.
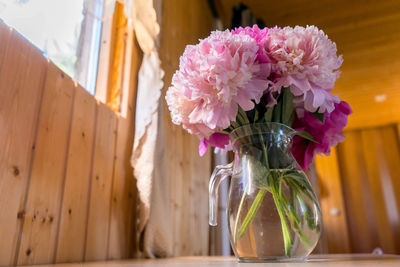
[390, 179]
[369, 167]
[100, 196]
[200, 169]
[56, 205]
[332, 203]
[122, 208]
[50, 143]
[18, 119]
[174, 157]
[38, 242]
[180, 27]
[368, 163]
[122, 240]
[184, 241]
[356, 193]
[73, 217]
[118, 47]
[5, 33]
[375, 164]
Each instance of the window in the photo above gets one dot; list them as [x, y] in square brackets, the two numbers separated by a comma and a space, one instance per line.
[67, 31]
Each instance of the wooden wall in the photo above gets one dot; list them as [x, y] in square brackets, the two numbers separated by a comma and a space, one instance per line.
[183, 23]
[359, 181]
[66, 186]
[67, 192]
[360, 191]
[369, 167]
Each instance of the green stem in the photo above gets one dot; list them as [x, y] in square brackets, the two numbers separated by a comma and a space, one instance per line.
[291, 214]
[252, 212]
[287, 237]
[280, 207]
[264, 149]
[260, 195]
[243, 114]
[238, 213]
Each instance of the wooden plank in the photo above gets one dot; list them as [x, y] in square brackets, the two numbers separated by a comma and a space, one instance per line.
[122, 236]
[186, 231]
[332, 203]
[38, 242]
[174, 158]
[174, 153]
[180, 155]
[376, 165]
[5, 33]
[118, 55]
[390, 178]
[356, 192]
[101, 188]
[21, 84]
[123, 195]
[199, 175]
[74, 210]
[398, 130]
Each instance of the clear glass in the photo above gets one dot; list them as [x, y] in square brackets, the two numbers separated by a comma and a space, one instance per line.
[273, 214]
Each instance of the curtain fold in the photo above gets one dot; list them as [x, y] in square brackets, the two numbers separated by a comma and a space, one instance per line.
[154, 233]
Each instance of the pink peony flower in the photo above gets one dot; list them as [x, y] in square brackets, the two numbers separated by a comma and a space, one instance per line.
[304, 59]
[260, 36]
[327, 134]
[214, 77]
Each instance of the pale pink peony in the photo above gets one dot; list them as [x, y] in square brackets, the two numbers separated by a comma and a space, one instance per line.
[304, 59]
[214, 78]
[260, 36]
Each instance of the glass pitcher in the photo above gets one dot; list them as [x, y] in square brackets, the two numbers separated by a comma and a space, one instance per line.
[273, 213]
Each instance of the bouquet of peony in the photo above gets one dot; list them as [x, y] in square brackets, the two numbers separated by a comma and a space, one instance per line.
[251, 75]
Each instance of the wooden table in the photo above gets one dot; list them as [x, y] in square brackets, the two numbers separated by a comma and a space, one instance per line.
[336, 260]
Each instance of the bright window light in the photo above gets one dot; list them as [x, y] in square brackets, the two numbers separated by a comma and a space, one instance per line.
[67, 31]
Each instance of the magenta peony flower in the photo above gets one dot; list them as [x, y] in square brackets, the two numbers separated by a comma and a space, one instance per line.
[219, 140]
[304, 59]
[214, 77]
[327, 134]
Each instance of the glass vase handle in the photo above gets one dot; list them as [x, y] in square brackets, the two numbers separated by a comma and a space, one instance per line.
[220, 173]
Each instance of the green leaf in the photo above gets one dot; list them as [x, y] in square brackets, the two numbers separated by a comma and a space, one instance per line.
[287, 106]
[306, 135]
[276, 115]
[319, 116]
[299, 182]
[256, 116]
[268, 114]
[243, 116]
[235, 124]
[252, 212]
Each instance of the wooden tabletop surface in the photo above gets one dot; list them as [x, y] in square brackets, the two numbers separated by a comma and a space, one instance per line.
[342, 260]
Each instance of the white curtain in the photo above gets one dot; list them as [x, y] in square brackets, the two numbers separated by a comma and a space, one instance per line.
[148, 150]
